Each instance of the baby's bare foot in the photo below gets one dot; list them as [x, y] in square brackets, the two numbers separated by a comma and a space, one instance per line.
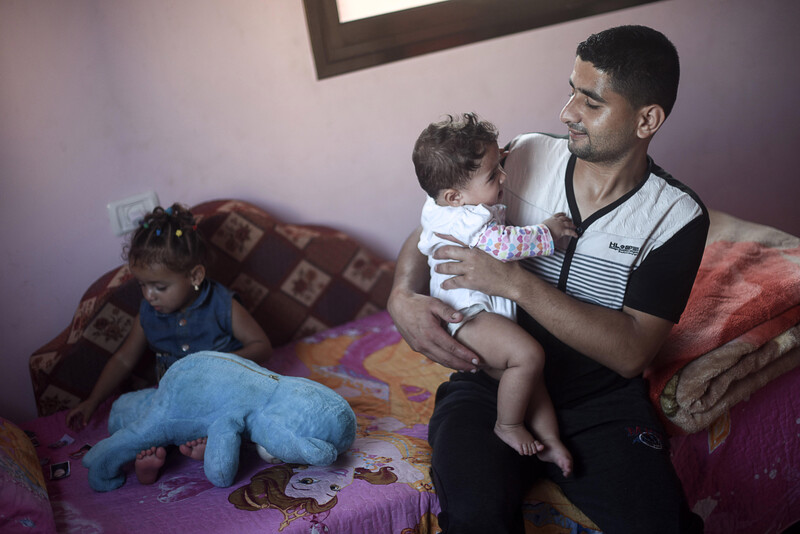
[195, 449]
[148, 464]
[555, 452]
[518, 438]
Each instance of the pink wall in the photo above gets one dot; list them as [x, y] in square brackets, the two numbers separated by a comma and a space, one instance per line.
[203, 99]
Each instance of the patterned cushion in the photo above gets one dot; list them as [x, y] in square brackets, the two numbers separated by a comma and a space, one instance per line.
[294, 279]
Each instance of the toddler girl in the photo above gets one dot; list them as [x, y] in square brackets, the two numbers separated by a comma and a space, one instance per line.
[182, 312]
[457, 162]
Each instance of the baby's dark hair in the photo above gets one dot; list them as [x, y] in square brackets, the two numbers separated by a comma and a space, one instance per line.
[168, 237]
[448, 152]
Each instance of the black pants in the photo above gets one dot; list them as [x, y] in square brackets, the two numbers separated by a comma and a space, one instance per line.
[623, 477]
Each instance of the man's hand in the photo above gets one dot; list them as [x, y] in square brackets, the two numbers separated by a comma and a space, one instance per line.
[418, 319]
[474, 269]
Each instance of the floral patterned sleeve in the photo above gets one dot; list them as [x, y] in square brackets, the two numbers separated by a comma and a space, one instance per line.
[508, 243]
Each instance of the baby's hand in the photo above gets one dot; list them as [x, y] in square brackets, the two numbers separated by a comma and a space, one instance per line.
[561, 225]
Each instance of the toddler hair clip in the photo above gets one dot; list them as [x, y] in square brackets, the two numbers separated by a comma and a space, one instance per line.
[178, 232]
[168, 211]
[158, 231]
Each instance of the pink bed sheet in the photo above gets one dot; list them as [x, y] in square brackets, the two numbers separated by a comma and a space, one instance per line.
[742, 474]
[380, 485]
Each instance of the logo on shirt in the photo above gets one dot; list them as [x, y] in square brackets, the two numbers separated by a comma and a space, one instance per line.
[647, 437]
[624, 249]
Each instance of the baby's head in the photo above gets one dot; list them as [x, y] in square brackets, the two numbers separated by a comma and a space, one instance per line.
[449, 154]
[168, 256]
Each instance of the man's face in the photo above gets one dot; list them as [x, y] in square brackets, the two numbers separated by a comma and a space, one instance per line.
[601, 122]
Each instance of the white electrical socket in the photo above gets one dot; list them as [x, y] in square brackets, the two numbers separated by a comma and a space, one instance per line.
[125, 214]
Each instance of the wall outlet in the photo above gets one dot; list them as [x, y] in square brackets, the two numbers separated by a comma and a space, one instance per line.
[125, 214]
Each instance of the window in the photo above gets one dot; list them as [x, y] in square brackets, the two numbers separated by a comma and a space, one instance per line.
[341, 47]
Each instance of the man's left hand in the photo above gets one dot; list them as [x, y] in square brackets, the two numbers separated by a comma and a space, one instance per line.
[474, 269]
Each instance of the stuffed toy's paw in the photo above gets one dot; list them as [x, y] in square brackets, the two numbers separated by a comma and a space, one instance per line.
[224, 397]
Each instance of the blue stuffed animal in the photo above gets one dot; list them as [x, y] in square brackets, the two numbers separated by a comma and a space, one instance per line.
[224, 397]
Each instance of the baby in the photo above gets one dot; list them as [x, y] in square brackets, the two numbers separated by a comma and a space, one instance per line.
[457, 162]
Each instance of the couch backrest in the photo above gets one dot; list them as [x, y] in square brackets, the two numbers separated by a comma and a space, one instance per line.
[294, 279]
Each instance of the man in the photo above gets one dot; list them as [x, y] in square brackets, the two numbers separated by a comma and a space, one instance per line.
[601, 307]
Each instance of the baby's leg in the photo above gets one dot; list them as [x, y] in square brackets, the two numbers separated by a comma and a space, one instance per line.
[543, 423]
[505, 346]
[148, 464]
[195, 449]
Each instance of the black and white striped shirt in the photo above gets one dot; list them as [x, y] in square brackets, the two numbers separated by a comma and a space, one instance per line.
[642, 251]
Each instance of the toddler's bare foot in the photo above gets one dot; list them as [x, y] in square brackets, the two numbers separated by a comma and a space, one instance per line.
[148, 464]
[195, 449]
[555, 452]
[518, 438]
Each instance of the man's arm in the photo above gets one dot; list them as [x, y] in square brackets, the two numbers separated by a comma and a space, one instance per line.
[624, 340]
[418, 316]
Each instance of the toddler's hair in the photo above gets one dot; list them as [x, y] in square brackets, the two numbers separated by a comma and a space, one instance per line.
[168, 237]
[448, 152]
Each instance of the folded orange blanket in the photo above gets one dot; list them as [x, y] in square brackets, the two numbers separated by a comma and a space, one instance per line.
[741, 327]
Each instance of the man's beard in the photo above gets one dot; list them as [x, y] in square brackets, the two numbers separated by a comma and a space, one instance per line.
[589, 152]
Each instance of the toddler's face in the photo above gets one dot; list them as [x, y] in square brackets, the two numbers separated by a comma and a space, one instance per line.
[486, 184]
[165, 290]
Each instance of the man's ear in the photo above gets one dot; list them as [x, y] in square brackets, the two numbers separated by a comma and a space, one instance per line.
[452, 197]
[197, 275]
[650, 120]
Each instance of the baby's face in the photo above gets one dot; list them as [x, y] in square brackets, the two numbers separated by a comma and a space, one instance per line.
[486, 184]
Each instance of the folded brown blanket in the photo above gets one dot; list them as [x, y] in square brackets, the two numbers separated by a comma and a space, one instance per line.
[741, 327]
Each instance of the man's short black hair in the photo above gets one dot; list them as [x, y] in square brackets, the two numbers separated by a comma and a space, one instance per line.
[642, 63]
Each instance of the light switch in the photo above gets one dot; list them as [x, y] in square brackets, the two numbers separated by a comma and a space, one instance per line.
[126, 214]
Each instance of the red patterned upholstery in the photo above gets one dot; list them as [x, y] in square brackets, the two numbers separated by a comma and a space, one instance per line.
[294, 279]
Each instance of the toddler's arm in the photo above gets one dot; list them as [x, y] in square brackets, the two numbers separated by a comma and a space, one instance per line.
[508, 243]
[257, 346]
[117, 369]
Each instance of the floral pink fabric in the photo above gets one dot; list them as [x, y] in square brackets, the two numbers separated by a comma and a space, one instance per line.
[508, 243]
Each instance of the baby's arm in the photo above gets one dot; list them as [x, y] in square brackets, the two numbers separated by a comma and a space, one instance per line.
[508, 243]
[257, 346]
[117, 369]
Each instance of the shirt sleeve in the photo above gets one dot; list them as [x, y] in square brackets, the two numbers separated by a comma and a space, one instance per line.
[508, 243]
[662, 284]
